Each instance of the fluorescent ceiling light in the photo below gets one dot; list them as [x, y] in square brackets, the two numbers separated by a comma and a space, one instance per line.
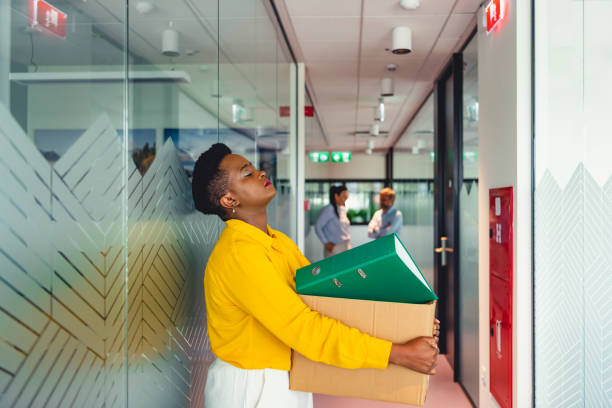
[99, 76]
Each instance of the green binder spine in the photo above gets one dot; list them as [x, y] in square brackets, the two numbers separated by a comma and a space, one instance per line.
[381, 270]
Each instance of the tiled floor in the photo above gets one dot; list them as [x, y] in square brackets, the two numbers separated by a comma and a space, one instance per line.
[443, 393]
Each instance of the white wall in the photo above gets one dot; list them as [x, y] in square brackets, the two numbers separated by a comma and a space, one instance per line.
[361, 166]
[504, 92]
[408, 165]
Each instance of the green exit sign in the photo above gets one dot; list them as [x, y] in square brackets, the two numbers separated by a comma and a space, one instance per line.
[341, 157]
[319, 157]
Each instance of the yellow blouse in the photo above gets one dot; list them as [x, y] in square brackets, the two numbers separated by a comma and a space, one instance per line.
[255, 317]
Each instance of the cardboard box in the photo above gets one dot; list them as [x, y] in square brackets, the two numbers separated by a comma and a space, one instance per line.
[397, 322]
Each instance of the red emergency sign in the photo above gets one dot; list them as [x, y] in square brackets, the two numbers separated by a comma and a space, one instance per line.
[494, 13]
[48, 18]
[285, 111]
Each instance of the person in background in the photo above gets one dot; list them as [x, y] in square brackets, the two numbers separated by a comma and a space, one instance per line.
[253, 314]
[332, 226]
[388, 219]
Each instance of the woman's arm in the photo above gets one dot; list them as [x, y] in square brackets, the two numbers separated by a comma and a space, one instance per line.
[259, 289]
[324, 217]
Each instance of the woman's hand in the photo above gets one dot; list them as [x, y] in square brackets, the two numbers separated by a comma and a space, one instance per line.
[330, 246]
[420, 354]
[436, 330]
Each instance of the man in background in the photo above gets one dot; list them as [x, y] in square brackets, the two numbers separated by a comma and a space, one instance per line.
[388, 219]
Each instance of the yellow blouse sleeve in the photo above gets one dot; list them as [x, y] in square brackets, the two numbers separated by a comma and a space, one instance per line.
[261, 291]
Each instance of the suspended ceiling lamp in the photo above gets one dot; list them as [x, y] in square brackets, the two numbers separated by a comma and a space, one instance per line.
[170, 41]
[386, 86]
[402, 40]
[370, 146]
[375, 129]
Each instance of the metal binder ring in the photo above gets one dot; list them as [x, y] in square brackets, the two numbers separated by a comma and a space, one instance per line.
[362, 273]
[316, 270]
[337, 282]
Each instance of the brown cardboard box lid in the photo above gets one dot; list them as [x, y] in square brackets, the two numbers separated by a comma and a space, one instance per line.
[396, 322]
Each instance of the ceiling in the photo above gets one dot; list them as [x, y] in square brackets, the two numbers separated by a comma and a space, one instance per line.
[343, 44]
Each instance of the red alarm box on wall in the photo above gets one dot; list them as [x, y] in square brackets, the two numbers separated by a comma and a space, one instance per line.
[500, 293]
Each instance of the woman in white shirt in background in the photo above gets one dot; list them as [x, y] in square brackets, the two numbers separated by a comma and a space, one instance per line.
[332, 226]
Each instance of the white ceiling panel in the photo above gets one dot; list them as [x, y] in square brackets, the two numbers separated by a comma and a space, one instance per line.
[390, 8]
[324, 8]
[341, 29]
[324, 51]
[468, 6]
[456, 25]
[341, 69]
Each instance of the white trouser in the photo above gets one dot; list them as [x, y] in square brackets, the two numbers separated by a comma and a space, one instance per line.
[231, 387]
[339, 247]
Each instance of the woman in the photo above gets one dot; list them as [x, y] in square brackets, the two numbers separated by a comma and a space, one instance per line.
[254, 315]
[332, 226]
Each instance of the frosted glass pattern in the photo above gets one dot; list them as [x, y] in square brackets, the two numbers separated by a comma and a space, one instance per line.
[573, 205]
[573, 290]
[102, 254]
[468, 286]
[63, 275]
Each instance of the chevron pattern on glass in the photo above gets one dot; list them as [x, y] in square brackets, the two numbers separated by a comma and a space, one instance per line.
[573, 288]
[63, 274]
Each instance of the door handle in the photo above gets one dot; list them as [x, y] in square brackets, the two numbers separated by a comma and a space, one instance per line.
[443, 249]
[498, 324]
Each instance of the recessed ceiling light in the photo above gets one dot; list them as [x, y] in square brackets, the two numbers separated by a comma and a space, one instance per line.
[144, 7]
[410, 4]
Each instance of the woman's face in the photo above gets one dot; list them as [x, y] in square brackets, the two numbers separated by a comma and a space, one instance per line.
[342, 197]
[248, 187]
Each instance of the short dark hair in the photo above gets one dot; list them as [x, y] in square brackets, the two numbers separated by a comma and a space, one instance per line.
[209, 182]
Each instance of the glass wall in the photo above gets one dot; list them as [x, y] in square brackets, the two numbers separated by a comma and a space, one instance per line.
[573, 203]
[468, 225]
[413, 173]
[104, 108]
